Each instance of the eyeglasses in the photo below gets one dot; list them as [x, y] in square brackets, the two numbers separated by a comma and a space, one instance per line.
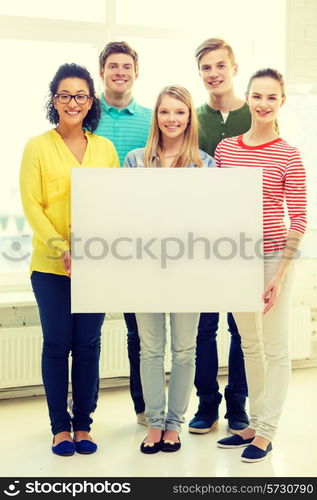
[66, 98]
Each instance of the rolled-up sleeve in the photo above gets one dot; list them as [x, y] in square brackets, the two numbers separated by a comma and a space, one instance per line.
[295, 193]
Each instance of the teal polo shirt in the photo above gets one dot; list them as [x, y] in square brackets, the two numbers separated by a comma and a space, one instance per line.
[127, 128]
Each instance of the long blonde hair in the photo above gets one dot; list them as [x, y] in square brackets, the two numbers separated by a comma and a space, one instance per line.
[189, 152]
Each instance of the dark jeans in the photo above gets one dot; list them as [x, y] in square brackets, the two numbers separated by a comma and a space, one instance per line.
[207, 360]
[64, 332]
[134, 358]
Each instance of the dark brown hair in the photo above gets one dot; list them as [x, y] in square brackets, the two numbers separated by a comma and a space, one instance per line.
[268, 73]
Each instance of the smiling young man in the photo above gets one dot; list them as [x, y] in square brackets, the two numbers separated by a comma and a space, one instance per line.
[127, 125]
[224, 115]
[123, 121]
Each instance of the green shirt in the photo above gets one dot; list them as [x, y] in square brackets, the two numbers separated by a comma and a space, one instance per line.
[212, 128]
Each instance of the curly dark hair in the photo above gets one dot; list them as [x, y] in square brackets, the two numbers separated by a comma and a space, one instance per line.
[73, 70]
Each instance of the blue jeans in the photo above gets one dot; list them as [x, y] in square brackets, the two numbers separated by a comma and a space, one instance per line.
[133, 340]
[64, 332]
[183, 344]
[207, 360]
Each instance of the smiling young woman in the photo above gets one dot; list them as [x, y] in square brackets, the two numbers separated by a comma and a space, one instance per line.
[172, 143]
[72, 103]
[173, 137]
[265, 336]
[45, 190]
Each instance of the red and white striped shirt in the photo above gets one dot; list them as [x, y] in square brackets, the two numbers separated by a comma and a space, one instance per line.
[283, 179]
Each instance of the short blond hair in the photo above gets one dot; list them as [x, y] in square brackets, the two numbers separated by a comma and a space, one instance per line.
[213, 44]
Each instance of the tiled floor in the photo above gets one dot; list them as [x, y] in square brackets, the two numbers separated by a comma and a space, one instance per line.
[26, 441]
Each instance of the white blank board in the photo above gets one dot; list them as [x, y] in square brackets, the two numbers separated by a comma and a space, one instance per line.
[167, 240]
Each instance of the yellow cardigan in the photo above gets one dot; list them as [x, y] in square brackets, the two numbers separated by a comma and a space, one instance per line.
[45, 191]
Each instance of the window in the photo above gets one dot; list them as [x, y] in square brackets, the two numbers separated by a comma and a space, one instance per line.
[59, 9]
[165, 39]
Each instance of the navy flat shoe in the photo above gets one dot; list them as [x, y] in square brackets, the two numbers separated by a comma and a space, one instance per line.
[85, 446]
[234, 441]
[64, 449]
[254, 454]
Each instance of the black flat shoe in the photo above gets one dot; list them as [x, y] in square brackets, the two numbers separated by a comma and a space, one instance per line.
[150, 450]
[169, 447]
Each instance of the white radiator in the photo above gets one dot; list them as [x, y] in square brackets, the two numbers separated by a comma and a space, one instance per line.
[20, 349]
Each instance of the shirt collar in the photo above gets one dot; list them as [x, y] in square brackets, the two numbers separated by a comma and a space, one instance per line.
[129, 109]
[155, 157]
